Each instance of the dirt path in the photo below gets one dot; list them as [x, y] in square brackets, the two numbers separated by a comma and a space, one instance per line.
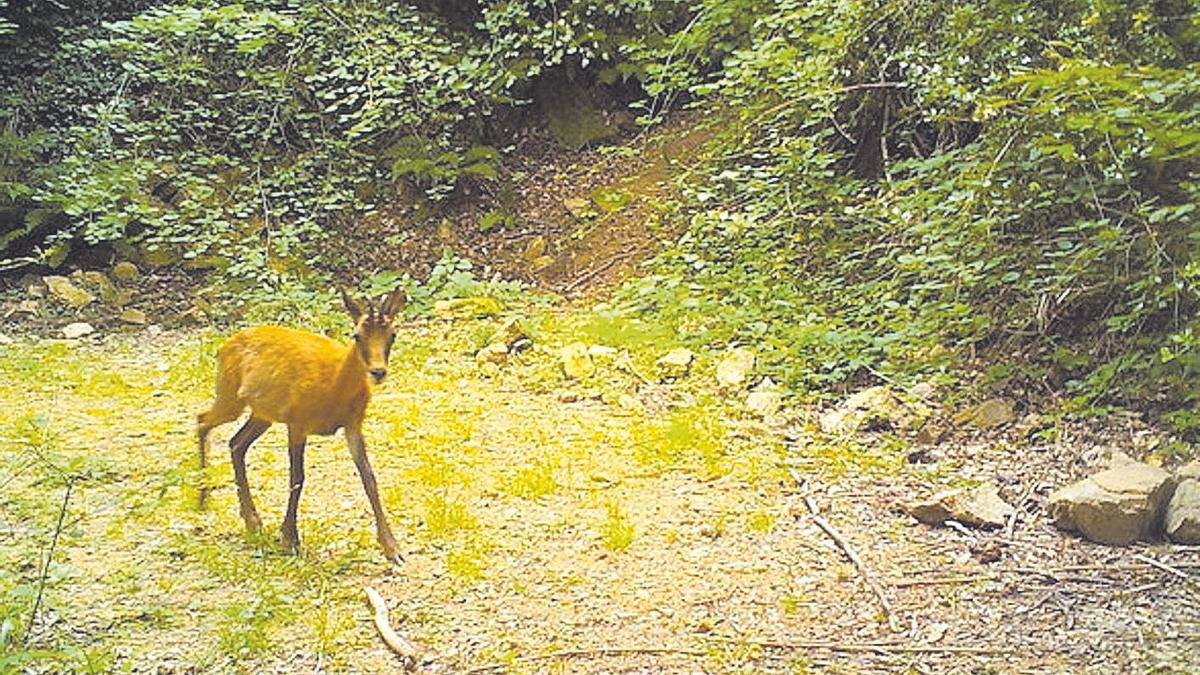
[550, 526]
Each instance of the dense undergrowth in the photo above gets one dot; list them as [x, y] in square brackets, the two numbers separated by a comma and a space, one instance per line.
[236, 134]
[898, 187]
[906, 186]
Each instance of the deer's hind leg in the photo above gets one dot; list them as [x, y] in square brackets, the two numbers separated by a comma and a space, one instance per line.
[238, 445]
[227, 408]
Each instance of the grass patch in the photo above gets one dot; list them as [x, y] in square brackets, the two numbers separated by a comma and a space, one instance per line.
[616, 530]
[534, 480]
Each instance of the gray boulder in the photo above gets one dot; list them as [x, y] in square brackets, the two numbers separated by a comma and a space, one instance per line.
[1182, 519]
[1116, 506]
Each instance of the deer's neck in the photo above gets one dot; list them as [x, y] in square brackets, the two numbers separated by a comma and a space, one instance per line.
[352, 375]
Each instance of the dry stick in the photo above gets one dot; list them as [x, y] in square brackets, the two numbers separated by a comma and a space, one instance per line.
[599, 270]
[1052, 573]
[397, 644]
[37, 603]
[1163, 566]
[600, 651]
[838, 539]
[882, 647]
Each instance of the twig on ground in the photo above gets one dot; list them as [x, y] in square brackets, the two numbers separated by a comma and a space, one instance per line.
[849, 551]
[881, 647]
[579, 281]
[600, 651]
[1163, 566]
[403, 648]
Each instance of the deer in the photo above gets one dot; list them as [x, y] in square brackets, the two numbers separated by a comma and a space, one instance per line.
[314, 385]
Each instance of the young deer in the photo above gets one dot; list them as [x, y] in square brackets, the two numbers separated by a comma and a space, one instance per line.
[314, 385]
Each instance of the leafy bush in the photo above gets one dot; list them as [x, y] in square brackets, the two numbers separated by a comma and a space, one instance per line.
[236, 134]
[1005, 175]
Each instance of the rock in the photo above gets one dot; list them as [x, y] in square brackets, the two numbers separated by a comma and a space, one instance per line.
[5, 340]
[467, 308]
[510, 334]
[1116, 506]
[980, 506]
[535, 249]
[1182, 519]
[495, 352]
[676, 363]
[100, 284]
[125, 271]
[991, 413]
[68, 293]
[30, 307]
[580, 209]
[602, 352]
[872, 407]
[193, 317]
[629, 402]
[1189, 470]
[733, 370]
[133, 316]
[78, 329]
[765, 399]
[1119, 459]
[575, 361]
[33, 286]
[923, 390]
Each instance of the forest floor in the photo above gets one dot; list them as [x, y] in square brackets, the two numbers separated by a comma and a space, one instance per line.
[601, 525]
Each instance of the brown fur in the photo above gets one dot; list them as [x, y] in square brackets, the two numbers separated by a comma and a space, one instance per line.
[314, 385]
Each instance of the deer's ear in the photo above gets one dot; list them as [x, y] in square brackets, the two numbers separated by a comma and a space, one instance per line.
[354, 307]
[393, 303]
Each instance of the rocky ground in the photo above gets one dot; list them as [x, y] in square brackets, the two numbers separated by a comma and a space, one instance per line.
[573, 506]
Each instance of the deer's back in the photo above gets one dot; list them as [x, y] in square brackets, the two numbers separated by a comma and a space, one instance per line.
[291, 376]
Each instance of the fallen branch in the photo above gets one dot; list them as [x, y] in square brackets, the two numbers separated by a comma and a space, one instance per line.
[1163, 566]
[571, 653]
[592, 274]
[847, 549]
[881, 647]
[1051, 573]
[403, 648]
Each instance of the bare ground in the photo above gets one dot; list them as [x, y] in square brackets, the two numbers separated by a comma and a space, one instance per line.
[602, 526]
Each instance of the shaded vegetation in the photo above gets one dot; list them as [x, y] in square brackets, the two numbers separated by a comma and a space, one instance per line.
[904, 185]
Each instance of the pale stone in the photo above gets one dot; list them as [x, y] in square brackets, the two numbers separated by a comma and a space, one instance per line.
[979, 506]
[1182, 519]
[575, 361]
[495, 352]
[77, 330]
[133, 316]
[676, 362]
[1116, 506]
[735, 367]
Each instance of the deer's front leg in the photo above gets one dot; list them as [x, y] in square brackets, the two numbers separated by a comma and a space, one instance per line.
[296, 441]
[383, 531]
